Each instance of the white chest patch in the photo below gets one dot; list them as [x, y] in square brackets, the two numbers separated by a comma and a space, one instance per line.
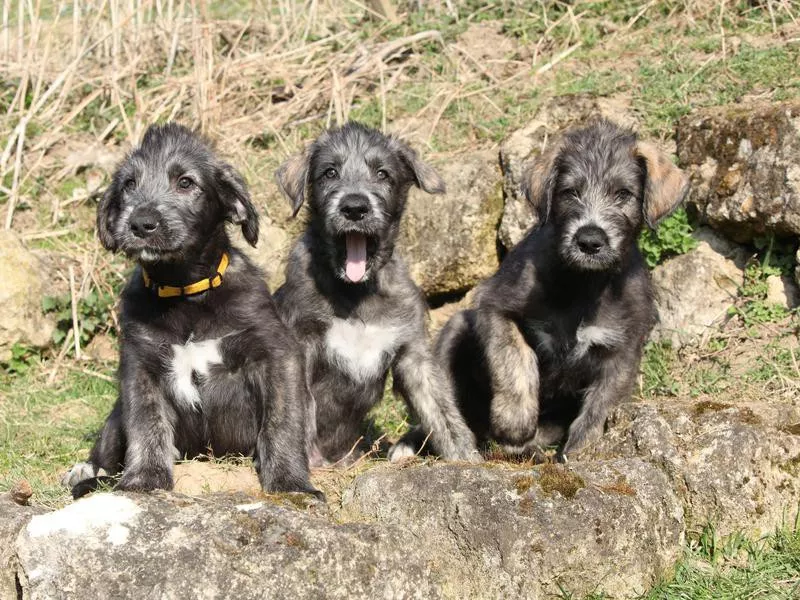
[595, 335]
[361, 349]
[191, 360]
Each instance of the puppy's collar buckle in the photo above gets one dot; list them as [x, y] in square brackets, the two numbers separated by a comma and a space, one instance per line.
[198, 287]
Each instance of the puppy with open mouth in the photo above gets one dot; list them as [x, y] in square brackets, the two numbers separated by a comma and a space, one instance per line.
[205, 361]
[349, 296]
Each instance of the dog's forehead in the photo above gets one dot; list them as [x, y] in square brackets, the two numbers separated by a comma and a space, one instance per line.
[353, 146]
[599, 157]
[170, 154]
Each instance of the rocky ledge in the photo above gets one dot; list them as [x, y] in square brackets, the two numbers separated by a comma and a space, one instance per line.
[612, 520]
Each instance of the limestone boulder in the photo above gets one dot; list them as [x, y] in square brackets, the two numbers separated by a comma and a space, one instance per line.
[450, 241]
[610, 526]
[232, 546]
[24, 284]
[694, 292]
[744, 162]
[734, 465]
[13, 518]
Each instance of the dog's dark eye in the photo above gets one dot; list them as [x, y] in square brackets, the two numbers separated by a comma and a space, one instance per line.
[623, 195]
[185, 183]
[331, 173]
[129, 185]
[570, 193]
[382, 174]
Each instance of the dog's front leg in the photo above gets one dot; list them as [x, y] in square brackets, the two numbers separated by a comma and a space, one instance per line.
[616, 381]
[150, 449]
[280, 454]
[514, 374]
[424, 385]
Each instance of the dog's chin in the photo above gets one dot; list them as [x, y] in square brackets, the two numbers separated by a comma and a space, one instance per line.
[148, 255]
[596, 263]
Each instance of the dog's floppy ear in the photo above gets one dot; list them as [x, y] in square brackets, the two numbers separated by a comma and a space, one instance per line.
[292, 177]
[235, 198]
[108, 213]
[666, 185]
[539, 180]
[425, 176]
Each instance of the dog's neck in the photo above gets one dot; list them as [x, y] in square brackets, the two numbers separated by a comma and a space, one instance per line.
[193, 267]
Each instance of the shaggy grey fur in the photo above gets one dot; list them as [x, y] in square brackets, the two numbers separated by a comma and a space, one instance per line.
[555, 337]
[354, 332]
[214, 371]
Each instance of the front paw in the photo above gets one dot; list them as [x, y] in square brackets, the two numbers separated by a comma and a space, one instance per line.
[294, 487]
[146, 481]
[401, 451]
[466, 454]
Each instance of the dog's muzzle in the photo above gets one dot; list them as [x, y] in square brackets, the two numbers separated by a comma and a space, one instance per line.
[355, 208]
[590, 239]
[144, 222]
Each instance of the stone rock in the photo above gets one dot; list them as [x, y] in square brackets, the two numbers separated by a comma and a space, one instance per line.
[24, 284]
[721, 245]
[520, 533]
[744, 162]
[103, 348]
[782, 290]
[694, 292]
[735, 466]
[13, 518]
[233, 546]
[449, 241]
[613, 521]
[521, 146]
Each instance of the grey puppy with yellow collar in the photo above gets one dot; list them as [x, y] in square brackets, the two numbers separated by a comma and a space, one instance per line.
[205, 362]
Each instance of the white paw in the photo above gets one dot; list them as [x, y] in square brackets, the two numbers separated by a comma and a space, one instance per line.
[80, 472]
[401, 451]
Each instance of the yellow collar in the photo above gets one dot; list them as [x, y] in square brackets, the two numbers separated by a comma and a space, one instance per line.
[169, 291]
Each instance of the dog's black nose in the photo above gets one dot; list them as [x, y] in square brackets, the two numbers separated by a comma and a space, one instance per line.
[354, 207]
[144, 222]
[591, 239]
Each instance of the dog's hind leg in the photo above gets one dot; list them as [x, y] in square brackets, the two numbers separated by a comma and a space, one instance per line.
[513, 371]
[425, 386]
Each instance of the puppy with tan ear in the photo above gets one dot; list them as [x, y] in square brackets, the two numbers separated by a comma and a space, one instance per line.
[555, 337]
[349, 298]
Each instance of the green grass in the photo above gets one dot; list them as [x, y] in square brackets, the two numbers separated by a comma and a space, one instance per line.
[736, 567]
[732, 568]
[390, 416]
[671, 238]
[44, 429]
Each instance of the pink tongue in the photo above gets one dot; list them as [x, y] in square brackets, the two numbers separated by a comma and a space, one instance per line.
[356, 261]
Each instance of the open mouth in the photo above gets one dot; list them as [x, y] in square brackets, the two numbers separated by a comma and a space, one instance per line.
[358, 248]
